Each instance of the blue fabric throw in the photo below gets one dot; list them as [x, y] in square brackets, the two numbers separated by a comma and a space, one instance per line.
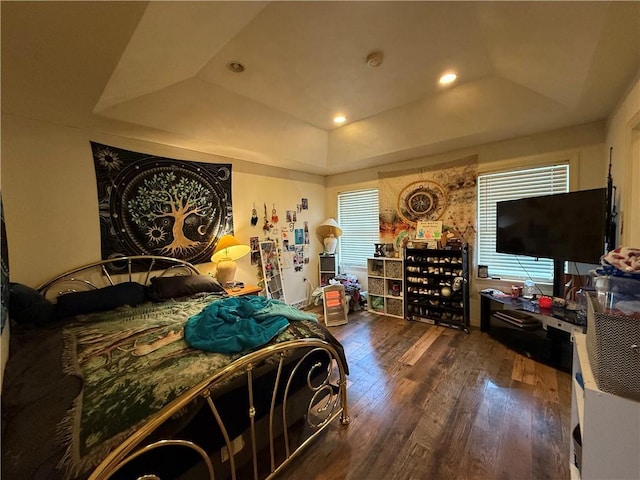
[235, 324]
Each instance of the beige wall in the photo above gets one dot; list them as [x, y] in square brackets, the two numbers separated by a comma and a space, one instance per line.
[50, 200]
[623, 134]
[581, 145]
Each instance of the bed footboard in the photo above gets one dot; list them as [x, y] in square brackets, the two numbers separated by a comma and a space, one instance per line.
[304, 385]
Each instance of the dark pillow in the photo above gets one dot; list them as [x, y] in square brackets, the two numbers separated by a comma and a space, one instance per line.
[107, 298]
[163, 288]
[28, 307]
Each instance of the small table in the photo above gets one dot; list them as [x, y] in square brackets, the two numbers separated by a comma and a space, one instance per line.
[246, 290]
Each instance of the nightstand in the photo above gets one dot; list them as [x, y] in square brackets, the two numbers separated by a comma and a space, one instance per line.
[246, 290]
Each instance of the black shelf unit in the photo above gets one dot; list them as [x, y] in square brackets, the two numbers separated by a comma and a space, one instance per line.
[436, 286]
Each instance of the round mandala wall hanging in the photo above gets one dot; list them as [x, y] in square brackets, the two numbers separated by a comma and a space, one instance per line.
[422, 201]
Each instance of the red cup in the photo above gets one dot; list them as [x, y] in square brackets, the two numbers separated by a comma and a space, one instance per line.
[545, 302]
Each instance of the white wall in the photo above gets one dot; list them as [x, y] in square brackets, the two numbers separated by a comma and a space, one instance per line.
[623, 134]
[582, 145]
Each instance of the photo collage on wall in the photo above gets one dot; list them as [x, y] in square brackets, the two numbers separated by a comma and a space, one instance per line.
[291, 236]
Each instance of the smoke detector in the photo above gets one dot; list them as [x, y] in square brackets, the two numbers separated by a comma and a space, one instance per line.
[374, 59]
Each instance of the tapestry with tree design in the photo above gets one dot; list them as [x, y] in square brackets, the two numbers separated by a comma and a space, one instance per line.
[152, 205]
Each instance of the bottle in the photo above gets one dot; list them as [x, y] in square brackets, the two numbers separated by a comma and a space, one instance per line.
[529, 289]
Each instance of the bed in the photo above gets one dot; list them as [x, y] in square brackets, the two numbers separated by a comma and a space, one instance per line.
[103, 380]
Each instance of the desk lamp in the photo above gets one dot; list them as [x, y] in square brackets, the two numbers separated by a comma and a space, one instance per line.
[329, 231]
[227, 251]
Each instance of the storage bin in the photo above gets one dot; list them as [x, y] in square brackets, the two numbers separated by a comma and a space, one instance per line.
[376, 286]
[394, 269]
[613, 347]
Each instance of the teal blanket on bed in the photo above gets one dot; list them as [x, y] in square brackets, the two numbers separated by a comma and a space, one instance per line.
[235, 324]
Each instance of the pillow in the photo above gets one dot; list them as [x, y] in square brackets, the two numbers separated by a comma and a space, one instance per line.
[107, 298]
[163, 288]
[28, 307]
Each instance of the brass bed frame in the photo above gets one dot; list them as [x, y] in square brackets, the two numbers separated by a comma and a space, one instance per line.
[326, 386]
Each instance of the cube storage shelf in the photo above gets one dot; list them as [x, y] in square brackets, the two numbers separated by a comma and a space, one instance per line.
[328, 269]
[385, 292]
[437, 286]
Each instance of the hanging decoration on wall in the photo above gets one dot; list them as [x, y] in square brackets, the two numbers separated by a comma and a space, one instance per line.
[445, 192]
[422, 201]
[267, 226]
[152, 205]
[254, 215]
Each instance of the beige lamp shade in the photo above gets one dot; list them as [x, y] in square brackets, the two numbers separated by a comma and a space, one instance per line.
[227, 251]
[329, 231]
[329, 227]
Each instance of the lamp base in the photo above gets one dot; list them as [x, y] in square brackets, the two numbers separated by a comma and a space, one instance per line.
[330, 244]
[225, 271]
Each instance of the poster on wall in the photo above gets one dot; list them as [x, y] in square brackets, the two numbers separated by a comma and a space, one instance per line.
[153, 205]
[430, 230]
[440, 195]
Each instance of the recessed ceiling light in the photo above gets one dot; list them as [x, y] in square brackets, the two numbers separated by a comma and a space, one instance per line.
[339, 119]
[448, 78]
[235, 67]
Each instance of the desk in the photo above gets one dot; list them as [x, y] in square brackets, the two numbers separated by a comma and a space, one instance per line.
[246, 290]
[550, 342]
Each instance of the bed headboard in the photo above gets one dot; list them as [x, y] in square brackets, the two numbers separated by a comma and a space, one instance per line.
[140, 269]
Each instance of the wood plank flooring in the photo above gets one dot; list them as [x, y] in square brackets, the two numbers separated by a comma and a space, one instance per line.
[428, 402]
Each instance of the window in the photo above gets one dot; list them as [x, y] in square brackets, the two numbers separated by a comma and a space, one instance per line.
[358, 218]
[497, 187]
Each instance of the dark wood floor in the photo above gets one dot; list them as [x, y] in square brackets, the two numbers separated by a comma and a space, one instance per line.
[432, 403]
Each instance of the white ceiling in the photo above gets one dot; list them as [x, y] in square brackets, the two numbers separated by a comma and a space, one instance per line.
[157, 71]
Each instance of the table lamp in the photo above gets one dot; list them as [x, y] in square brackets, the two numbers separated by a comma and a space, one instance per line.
[329, 231]
[227, 251]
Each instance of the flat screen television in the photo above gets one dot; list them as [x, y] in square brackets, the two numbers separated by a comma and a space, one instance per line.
[567, 226]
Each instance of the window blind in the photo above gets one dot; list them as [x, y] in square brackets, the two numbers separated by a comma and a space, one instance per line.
[359, 220]
[512, 185]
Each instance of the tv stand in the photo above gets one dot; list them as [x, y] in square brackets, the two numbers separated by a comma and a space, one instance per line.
[549, 341]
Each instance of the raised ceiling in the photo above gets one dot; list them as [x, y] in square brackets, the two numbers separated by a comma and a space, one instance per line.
[157, 71]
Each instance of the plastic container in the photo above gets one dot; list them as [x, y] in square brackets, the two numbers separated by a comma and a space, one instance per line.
[619, 295]
[529, 289]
